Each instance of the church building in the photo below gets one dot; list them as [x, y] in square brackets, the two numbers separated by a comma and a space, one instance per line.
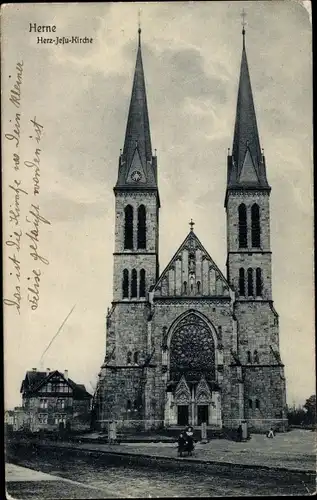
[188, 345]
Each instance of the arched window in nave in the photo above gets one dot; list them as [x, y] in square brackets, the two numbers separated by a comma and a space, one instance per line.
[250, 282]
[243, 228]
[134, 284]
[128, 227]
[125, 284]
[142, 283]
[255, 225]
[258, 282]
[241, 282]
[141, 227]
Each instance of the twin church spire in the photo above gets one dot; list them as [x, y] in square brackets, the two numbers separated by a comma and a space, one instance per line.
[137, 166]
[246, 164]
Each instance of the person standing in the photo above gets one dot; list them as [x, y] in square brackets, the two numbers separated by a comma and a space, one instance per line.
[112, 432]
[181, 443]
[239, 433]
[271, 434]
[190, 440]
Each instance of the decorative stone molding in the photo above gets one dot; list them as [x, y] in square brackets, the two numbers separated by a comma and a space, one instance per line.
[191, 302]
[239, 193]
[134, 193]
[182, 392]
[203, 398]
[203, 394]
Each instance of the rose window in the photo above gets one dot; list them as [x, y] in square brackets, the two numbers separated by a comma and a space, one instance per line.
[192, 349]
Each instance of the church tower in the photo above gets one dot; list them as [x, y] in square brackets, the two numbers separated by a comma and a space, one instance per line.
[137, 201]
[249, 269]
[123, 374]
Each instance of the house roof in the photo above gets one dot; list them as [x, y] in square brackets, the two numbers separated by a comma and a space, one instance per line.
[34, 380]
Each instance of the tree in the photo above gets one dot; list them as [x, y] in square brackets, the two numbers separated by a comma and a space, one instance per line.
[296, 416]
[310, 407]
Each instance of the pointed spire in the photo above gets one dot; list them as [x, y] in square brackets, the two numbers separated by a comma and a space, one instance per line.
[137, 136]
[246, 137]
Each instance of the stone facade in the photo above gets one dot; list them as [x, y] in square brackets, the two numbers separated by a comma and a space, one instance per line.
[190, 345]
[143, 385]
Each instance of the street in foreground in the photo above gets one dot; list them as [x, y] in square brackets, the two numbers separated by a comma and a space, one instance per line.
[106, 477]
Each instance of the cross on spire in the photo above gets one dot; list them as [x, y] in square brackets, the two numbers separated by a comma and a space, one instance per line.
[243, 22]
[139, 25]
[191, 223]
[243, 15]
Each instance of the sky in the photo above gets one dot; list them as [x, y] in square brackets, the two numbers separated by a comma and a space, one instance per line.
[78, 95]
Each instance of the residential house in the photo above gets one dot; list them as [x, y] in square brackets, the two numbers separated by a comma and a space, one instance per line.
[51, 401]
[8, 420]
[15, 419]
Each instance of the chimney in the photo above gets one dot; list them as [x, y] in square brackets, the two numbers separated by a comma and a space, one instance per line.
[48, 371]
[66, 374]
[33, 369]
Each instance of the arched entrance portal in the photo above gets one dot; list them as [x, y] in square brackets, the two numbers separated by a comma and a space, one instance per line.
[192, 389]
